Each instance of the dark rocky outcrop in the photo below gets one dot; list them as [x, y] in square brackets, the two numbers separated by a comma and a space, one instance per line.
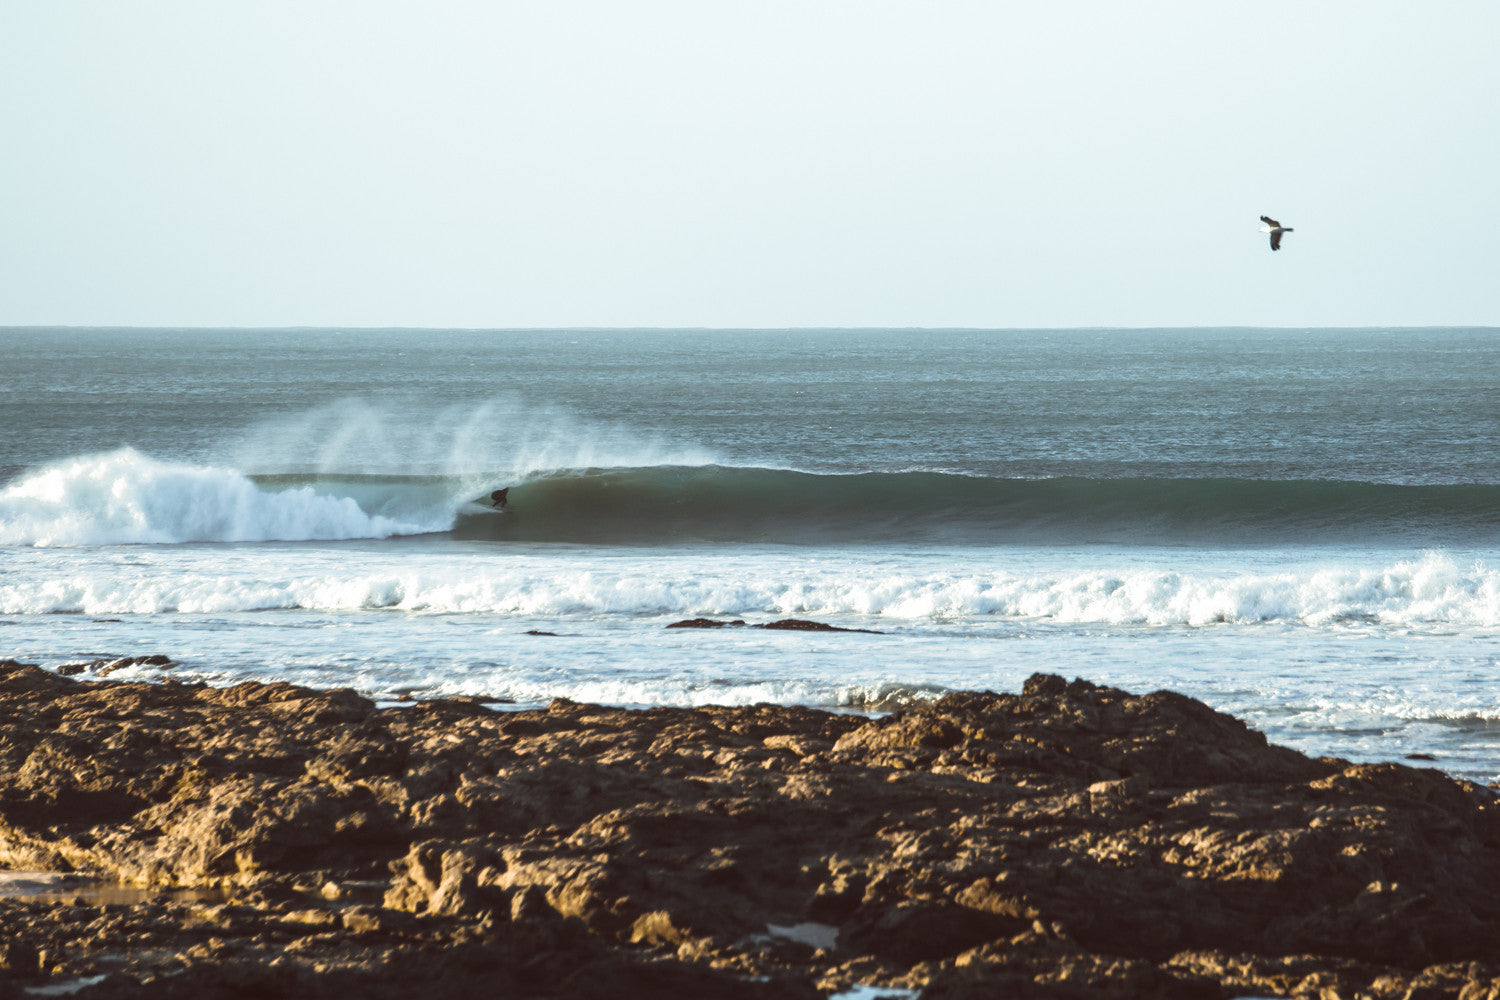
[801, 625]
[105, 667]
[706, 623]
[783, 625]
[1068, 841]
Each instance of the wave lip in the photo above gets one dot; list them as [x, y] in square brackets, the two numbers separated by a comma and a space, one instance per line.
[124, 497]
[717, 503]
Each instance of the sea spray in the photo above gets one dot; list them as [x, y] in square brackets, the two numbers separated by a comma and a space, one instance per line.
[506, 437]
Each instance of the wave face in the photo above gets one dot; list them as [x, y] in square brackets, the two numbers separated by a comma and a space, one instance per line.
[124, 497]
[715, 503]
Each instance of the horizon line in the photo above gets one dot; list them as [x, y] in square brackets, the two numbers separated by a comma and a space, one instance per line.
[710, 329]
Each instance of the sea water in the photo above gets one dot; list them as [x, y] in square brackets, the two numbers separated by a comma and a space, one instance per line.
[1300, 527]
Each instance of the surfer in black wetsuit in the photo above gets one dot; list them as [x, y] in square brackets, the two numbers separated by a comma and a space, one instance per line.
[498, 498]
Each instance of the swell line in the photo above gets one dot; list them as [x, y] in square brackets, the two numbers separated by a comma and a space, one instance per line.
[716, 503]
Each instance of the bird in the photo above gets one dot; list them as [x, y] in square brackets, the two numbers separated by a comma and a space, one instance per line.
[1275, 229]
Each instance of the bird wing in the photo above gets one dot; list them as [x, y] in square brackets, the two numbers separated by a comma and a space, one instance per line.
[1270, 222]
[1276, 239]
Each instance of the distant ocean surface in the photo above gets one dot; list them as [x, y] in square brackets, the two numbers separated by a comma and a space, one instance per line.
[1300, 527]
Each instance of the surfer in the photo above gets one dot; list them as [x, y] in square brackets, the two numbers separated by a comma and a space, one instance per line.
[498, 498]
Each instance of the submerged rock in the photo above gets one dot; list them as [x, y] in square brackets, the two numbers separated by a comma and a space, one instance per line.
[1068, 841]
[799, 625]
[785, 624]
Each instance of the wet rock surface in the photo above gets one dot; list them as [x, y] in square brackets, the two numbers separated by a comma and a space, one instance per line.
[1067, 841]
[781, 625]
[107, 666]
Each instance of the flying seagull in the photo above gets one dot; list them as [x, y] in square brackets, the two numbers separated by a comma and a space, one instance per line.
[1275, 229]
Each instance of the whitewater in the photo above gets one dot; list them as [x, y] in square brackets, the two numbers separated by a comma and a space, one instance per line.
[1300, 527]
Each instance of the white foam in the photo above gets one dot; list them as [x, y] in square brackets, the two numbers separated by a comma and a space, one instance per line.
[682, 691]
[124, 497]
[1432, 589]
[865, 991]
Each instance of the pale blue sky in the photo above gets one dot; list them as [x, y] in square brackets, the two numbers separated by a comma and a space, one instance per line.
[748, 164]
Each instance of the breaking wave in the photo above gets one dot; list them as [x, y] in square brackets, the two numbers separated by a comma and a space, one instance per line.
[125, 497]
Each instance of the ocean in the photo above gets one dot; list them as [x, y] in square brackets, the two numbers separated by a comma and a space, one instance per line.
[1299, 527]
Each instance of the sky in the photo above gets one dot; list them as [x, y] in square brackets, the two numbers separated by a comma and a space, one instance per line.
[748, 164]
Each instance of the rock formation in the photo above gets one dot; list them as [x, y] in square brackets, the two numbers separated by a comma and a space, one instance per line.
[1068, 841]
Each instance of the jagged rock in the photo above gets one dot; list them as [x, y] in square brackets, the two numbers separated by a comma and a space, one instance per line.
[1068, 841]
[443, 880]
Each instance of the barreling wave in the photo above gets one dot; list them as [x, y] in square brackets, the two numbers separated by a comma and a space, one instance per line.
[716, 503]
[125, 497]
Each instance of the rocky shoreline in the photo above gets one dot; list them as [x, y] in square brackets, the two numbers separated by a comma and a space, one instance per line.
[1068, 841]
